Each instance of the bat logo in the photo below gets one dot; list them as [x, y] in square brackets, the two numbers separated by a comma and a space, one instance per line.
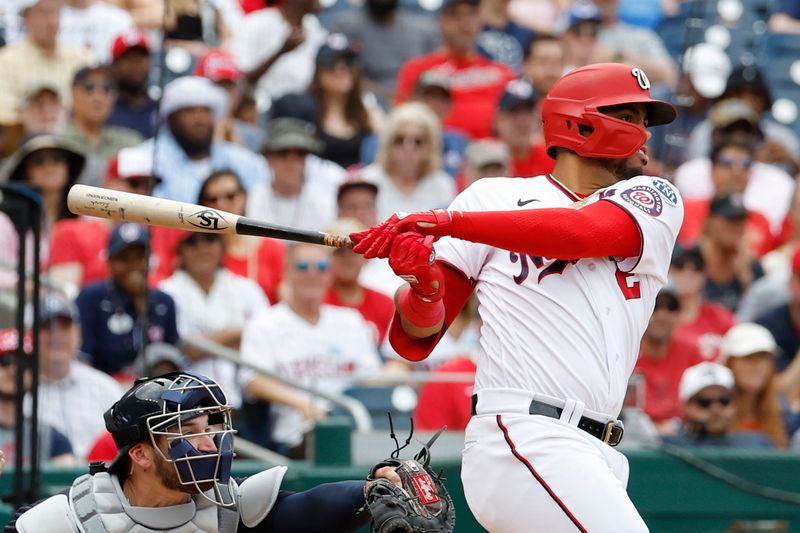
[208, 219]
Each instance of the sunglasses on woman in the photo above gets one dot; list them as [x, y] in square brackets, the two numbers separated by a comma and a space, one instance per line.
[228, 196]
[402, 140]
[320, 266]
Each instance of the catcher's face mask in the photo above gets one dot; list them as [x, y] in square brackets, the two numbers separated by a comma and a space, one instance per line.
[200, 449]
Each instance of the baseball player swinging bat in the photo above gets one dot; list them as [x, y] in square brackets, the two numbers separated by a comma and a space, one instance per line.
[129, 207]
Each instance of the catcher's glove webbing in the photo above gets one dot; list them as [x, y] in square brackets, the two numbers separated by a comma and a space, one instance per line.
[421, 506]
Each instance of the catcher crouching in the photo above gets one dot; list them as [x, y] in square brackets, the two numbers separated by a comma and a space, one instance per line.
[172, 474]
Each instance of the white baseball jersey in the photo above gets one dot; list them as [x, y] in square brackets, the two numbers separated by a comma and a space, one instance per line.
[567, 329]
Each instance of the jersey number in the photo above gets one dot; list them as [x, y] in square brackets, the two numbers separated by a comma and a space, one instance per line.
[630, 288]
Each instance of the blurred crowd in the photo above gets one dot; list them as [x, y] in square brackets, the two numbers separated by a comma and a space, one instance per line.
[332, 118]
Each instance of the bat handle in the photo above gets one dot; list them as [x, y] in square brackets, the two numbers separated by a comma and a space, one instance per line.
[336, 241]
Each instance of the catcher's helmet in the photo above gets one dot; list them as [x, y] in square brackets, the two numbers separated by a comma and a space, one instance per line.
[578, 98]
[158, 407]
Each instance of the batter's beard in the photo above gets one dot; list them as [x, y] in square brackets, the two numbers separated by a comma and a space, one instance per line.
[621, 170]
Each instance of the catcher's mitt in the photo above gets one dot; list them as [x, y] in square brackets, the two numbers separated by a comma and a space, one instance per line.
[421, 506]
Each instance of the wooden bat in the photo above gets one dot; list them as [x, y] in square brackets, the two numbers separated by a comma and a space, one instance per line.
[129, 207]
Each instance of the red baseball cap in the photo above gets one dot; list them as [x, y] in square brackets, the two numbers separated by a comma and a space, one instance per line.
[133, 38]
[133, 162]
[217, 66]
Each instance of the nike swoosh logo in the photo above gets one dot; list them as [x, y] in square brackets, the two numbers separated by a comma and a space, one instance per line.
[522, 203]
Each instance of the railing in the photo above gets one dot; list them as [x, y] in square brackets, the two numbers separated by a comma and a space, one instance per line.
[360, 414]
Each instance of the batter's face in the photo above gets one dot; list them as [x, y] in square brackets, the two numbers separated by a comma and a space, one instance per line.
[622, 169]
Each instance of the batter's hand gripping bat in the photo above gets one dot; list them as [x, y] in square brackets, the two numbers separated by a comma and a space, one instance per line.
[128, 207]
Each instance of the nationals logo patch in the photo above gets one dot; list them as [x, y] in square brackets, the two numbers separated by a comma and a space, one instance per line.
[667, 190]
[643, 198]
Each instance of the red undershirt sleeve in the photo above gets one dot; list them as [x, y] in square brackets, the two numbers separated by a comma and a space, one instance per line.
[457, 290]
[601, 229]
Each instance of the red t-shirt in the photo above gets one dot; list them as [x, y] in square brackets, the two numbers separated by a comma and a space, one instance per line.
[706, 332]
[81, 240]
[376, 308]
[758, 230]
[104, 449]
[476, 84]
[446, 403]
[265, 268]
[663, 376]
[535, 164]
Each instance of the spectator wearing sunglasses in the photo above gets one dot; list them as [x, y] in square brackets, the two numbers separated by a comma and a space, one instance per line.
[731, 163]
[663, 357]
[307, 341]
[749, 350]
[200, 284]
[408, 167]
[708, 411]
[93, 96]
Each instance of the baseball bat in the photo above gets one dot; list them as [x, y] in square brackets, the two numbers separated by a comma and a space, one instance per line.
[129, 207]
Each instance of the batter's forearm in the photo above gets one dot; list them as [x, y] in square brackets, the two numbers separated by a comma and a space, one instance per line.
[598, 230]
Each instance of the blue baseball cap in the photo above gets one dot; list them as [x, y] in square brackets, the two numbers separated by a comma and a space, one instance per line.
[126, 235]
[56, 305]
[583, 12]
[517, 92]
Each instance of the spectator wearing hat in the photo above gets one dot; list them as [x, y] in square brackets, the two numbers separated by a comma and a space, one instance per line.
[42, 110]
[708, 411]
[544, 62]
[290, 199]
[663, 356]
[201, 283]
[389, 35]
[749, 350]
[502, 40]
[50, 164]
[729, 265]
[92, 25]
[407, 169]
[731, 164]
[636, 45]
[220, 67]
[485, 158]
[276, 48]
[344, 118]
[72, 395]
[53, 446]
[130, 70]
[356, 199]
[36, 58]
[345, 290]
[186, 149]
[112, 309]
[78, 255]
[259, 259]
[305, 340]
[783, 321]
[581, 45]
[747, 84]
[476, 82]
[702, 323]
[433, 90]
[515, 125]
[93, 95]
[765, 188]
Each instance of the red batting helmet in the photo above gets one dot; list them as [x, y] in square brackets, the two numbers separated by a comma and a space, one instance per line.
[579, 97]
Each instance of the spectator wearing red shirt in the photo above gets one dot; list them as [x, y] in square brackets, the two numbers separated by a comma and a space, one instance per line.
[662, 359]
[476, 82]
[345, 290]
[731, 161]
[515, 125]
[702, 323]
[78, 255]
[446, 403]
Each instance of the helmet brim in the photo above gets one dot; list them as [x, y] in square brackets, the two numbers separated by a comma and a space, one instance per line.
[660, 113]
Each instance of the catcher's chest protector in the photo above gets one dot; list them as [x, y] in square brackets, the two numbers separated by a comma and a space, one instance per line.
[96, 502]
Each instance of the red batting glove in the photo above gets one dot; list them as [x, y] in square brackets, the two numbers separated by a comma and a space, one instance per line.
[377, 241]
[412, 258]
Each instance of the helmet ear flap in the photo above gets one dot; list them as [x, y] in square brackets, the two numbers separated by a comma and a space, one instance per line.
[612, 138]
